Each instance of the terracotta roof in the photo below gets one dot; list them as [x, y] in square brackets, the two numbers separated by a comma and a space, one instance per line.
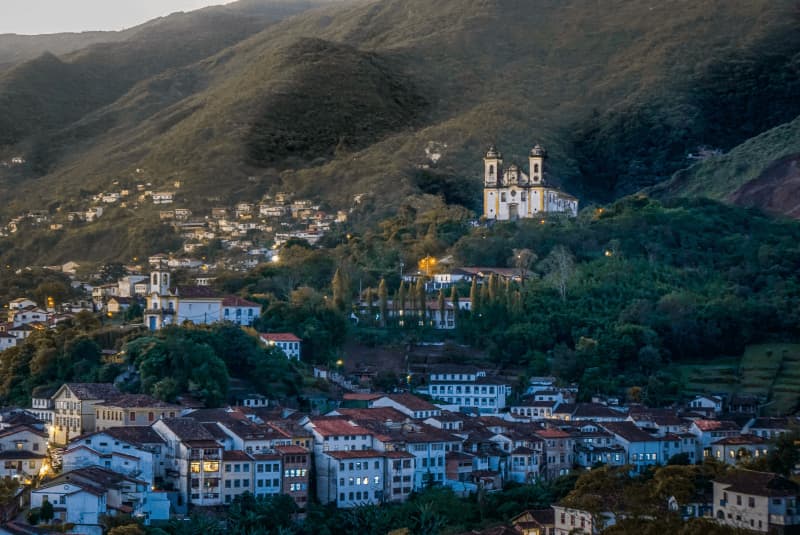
[360, 396]
[235, 455]
[86, 391]
[399, 455]
[551, 433]
[355, 454]
[131, 401]
[233, 301]
[279, 337]
[741, 440]
[628, 431]
[196, 292]
[758, 483]
[188, 429]
[717, 425]
[412, 402]
[382, 414]
[337, 426]
[291, 449]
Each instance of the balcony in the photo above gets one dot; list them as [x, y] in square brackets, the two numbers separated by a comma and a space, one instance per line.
[161, 311]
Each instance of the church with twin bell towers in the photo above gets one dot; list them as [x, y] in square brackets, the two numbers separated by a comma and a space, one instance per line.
[510, 194]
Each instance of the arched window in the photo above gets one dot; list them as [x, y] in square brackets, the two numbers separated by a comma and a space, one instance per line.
[536, 168]
[491, 170]
[155, 279]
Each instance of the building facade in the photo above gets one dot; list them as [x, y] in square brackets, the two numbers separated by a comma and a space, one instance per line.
[510, 194]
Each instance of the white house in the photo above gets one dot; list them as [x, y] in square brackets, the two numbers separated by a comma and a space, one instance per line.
[136, 452]
[195, 304]
[711, 405]
[82, 496]
[286, 342]
[351, 478]
[757, 501]
[469, 390]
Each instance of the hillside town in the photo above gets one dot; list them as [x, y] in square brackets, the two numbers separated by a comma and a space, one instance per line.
[90, 449]
[83, 452]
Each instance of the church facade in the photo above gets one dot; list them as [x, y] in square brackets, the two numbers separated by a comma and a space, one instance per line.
[510, 194]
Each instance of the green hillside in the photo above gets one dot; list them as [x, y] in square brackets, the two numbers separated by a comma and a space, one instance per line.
[742, 174]
[344, 100]
[771, 371]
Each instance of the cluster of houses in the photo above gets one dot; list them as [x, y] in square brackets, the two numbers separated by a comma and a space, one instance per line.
[240, 229]
[23, 318]
[98, 451]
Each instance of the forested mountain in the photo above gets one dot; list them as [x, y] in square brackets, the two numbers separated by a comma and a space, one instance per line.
[346, 99]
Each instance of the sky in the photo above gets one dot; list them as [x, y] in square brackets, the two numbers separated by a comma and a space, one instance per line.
[55, 16]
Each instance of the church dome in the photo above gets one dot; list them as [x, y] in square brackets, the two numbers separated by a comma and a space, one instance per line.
[493, 152]
[538, 150]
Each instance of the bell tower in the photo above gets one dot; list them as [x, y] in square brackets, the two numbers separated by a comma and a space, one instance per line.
[159, 282]
[492, 167]
[536, 160]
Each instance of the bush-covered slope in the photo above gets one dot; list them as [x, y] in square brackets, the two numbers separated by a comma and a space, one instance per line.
[760, 172]
[345, 100]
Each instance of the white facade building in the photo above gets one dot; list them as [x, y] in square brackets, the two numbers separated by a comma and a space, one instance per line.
[510, 194]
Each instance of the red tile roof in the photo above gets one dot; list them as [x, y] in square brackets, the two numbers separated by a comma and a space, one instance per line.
[233, 301]
[716, 425]
[280, 337]
[355, 454]
[337, 427]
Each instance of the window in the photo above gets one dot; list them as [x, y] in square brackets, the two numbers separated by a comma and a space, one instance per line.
[751, 502]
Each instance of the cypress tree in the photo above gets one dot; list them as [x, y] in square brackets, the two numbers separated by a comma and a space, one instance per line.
[383, 301]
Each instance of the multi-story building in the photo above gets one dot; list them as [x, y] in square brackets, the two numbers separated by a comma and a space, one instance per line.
[193, 461]
[351, 478]
[757, 501]
[296, 463]
[237, 478]
[267, 477]
[196, 304]
[472, 390]
[132, 410]
[286, 342]
[74, 409]
[22, 452]
[559, 452]
[137, 452]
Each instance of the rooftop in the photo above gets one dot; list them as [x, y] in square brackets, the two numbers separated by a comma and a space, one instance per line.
[758, 483]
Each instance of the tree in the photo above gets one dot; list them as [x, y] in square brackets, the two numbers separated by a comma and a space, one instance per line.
[474, 295]
[560, 268]
[523, 259]
[454, 300]
[442, 309]
[341, 291]
[383, 301]
[46, 512]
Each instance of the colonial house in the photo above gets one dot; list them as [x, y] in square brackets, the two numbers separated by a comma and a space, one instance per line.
[136, 452]
[22, 452]
[81, 497]
[132, 410]
[192, 459]
[569, 521]
[757, 501]
[408, 404]
[286, 342]
[195, 304]
[74, 411]
[351, 478]
[732, 450]
[471, 390]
